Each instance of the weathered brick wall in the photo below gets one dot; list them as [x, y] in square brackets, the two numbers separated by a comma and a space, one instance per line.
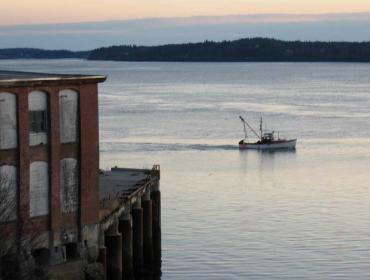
[85, 150]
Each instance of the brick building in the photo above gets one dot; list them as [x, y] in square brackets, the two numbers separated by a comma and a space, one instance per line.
[49, 167]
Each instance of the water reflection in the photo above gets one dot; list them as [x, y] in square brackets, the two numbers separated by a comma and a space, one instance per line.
[263, 164]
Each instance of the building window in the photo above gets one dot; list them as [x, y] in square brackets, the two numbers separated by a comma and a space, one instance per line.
[69, 185]
[68, 116]
[8, 121]
[38, 117]
[39, 189]
[38, 121]
[8, 193]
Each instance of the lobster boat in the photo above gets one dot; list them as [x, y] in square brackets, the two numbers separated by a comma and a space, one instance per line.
[267, 139]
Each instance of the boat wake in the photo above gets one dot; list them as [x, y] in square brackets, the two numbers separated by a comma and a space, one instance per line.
[157, 147]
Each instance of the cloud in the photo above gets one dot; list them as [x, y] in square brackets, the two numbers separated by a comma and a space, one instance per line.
[154, 31]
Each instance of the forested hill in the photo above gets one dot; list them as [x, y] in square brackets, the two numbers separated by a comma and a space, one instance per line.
[254, 49]
[16, 53]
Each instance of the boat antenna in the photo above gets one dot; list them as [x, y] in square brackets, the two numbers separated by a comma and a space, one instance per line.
[247, 124]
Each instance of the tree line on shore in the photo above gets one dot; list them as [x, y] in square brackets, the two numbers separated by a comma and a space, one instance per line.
[28, 53]
[254, 49]
[243, 50]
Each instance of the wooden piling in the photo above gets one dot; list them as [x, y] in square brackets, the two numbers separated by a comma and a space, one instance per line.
[137, 229]
[147, 231]
[103, 259]
[125, 227]
[114, 256]
[156, 229]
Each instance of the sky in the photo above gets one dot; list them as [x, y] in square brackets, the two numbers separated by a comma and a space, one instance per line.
[48, 11]
[89, 24]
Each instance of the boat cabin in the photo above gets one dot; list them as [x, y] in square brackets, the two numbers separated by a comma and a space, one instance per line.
[267, 137]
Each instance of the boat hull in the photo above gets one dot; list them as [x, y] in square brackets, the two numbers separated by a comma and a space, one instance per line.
[277, 145]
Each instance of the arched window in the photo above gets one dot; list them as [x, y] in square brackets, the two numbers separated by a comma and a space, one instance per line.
[8, 193]
[38, 117]
[39, 188]
[8, 121]
[68, 116]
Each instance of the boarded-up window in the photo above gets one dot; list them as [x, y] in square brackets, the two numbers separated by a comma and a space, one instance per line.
[8, 121]
[68, 110]
[69, 182]
[8, 193]
[38, 117]
[39, 189]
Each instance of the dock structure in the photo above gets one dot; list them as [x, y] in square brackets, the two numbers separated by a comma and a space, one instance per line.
[130, 235]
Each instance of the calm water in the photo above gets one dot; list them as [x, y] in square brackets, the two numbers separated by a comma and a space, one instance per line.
[244, 215]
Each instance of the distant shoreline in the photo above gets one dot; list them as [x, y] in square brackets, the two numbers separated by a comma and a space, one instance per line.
[190, 62]
[243, 50]
[32, 53]
[174, 61]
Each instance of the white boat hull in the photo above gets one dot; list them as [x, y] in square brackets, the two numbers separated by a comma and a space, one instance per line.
[286, 144]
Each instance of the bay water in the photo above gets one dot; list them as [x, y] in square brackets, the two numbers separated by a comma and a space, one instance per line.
[230, 214]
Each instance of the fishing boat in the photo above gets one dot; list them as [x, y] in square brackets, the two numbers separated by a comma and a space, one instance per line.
[267, 140]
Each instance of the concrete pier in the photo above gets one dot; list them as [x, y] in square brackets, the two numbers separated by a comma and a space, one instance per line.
[130, 205]
[125, 227]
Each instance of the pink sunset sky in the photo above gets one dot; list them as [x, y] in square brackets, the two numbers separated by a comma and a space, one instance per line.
[49, 11]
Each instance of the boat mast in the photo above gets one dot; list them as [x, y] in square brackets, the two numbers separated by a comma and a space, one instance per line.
[261, 128]
[245, 131]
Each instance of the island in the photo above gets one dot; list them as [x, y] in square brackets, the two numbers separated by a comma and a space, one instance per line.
[252, 49]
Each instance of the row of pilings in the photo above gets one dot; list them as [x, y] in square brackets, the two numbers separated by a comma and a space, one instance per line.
[133, 243]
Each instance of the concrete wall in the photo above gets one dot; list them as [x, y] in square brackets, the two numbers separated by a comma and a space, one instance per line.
[68, 110]
[8, 121]
[38, 101]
